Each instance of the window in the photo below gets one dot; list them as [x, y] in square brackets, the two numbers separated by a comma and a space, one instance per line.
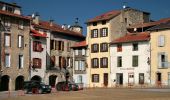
[80, 79]
[7, 60]
[94, 23]
[141, 78]
[9, 9]
[59, 45]
[80, 65]
[162, 60]
[104, 22]
[119, 47]
[119, 61]
[103, 32]
[7, 40]
[7, 22]
[20, 41]
[21, 61]
[135, 61]
[95, 78]
[21, 24]
[94, 48]
[135, 46]
[80, 52]
[36, 63]
[95, 63]
[161, 41]
[104, 47]
[37, 46]
[104, 62]
[94, 33]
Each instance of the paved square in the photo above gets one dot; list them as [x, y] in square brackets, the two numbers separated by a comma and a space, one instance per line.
[101, 94]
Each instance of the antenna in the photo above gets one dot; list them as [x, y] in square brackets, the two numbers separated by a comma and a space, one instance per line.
[77, 21]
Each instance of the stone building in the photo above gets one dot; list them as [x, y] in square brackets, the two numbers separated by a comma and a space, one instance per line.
[101, 30]
[14, 51]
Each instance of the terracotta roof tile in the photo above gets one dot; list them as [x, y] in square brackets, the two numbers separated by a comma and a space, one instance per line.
[140, 25]
[57, 28]
[14, 15]
[132, 37]
[105, 16]
[36, 33]
[80, 44]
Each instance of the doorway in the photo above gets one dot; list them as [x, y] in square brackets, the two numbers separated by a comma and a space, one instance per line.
[119, 78]
[159, 78]
[106, 79]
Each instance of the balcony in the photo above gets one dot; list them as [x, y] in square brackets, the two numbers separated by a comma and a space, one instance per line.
[79, 71]
[164, 65]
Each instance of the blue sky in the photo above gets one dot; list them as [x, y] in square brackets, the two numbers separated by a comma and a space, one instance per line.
[65, 11]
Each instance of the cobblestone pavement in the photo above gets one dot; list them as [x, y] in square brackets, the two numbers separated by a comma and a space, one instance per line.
[95, 94]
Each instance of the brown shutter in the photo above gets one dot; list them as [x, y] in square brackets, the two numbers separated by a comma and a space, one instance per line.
[39, 63]
[34, 46]
[56, 47]
[97, 47]
[92, 34]
[101, 32]
[101, 62]
[92, 63]
[62, 45]
[106, 31]
[92, 77]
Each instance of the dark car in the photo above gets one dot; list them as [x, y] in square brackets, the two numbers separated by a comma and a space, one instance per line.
[66, 86]
[36, 87]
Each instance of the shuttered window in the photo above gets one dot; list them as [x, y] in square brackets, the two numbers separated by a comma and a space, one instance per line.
[95, 78]
[119, 47]
[76, 65]
[95, 48]
[94, 33]
[37, 46]
[36, 63]
[104, 62]
[104, 32]
[161, 41]
[7, 40]
[103, 47]
[95, 63]
[83, 52]
[134, 61]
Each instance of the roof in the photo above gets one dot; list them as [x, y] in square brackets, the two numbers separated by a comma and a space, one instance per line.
[57, 28]
[14, 15]
[160, 26]
[37, 34]
[80, 44]
[141, 25]
[105, 16]
[132, 37]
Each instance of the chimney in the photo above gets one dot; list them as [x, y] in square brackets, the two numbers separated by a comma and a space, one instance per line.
[64, 26]
[51, 22]
[36, 18]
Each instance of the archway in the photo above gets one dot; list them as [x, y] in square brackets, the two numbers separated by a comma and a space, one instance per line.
[52, 80]
[4, 85]
[36, 78]
[19, 82]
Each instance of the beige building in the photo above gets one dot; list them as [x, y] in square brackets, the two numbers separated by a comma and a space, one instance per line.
[160, 51]
[14, 62]
[101, 30]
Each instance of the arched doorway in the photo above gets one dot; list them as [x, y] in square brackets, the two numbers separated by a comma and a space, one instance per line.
[52, 80]
[4, 85]
[19, 82]
[36, 78]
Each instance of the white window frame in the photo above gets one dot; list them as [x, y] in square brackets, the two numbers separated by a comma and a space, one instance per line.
[9, 60]
[22, 61]
[7, 40]
[161, 41]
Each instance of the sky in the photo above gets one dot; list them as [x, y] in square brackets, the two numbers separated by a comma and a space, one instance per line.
[65, 11]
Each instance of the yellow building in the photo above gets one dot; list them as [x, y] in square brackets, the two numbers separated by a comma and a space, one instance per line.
[101, 30]
[160, 51]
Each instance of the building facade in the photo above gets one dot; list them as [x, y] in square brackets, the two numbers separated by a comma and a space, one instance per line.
[101, 30]
[160, 51]
[130, 60]
[14, 62]
[80, 64]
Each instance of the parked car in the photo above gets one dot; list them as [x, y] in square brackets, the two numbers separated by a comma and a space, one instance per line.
[37, 87]
[66, 86]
